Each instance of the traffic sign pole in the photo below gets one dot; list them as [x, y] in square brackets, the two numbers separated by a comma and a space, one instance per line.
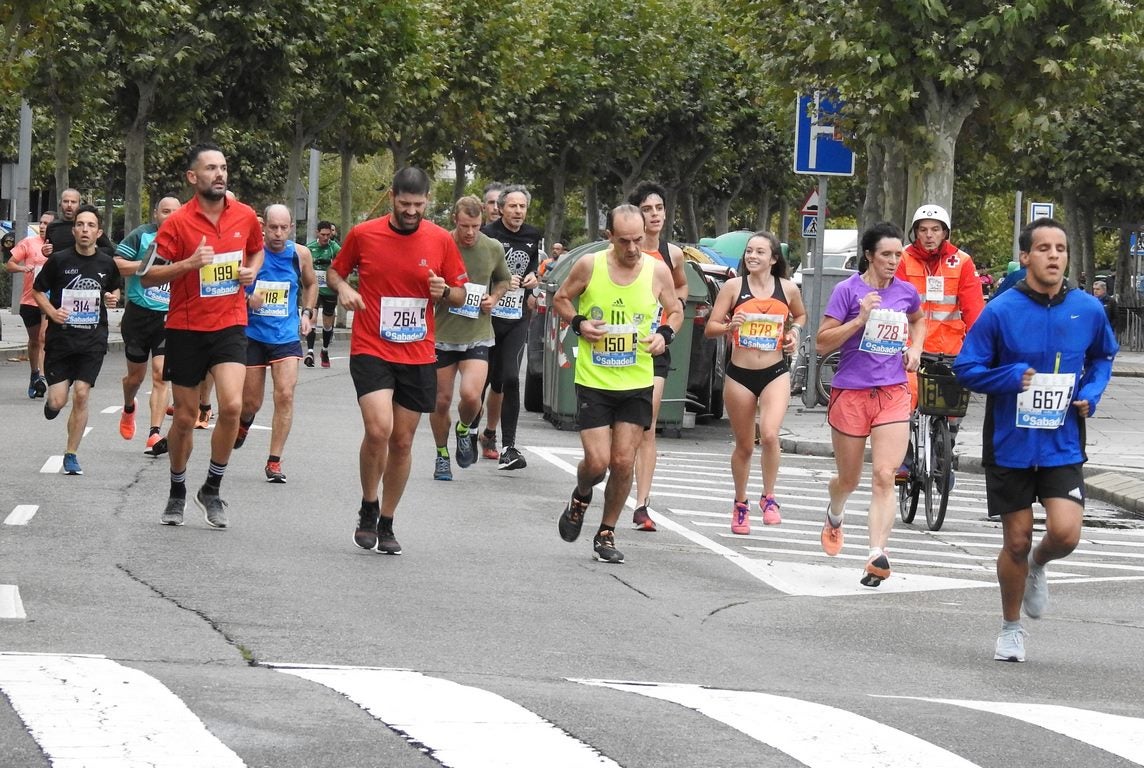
[810, 392]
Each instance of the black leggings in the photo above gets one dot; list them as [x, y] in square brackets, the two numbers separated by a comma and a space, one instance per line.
[504, 372]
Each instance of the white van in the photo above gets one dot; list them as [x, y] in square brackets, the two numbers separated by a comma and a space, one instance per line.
[839, 250]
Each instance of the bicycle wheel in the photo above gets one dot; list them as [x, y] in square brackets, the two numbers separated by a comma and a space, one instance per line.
[909, 491]
[941, 460]
[827, 365]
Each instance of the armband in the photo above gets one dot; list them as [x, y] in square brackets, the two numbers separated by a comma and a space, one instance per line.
[576, 323]
[668, 334]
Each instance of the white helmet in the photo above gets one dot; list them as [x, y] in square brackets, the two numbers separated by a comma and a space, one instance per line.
[929, 211]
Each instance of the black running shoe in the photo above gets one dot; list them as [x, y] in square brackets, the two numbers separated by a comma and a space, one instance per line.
[510, 458]
[605, 546]
[365, 536]
[572, 520]
[158, 448]
[240, 438]
[386, 541]
[309, 358]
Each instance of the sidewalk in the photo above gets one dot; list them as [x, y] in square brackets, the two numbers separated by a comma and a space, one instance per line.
[1115, 435]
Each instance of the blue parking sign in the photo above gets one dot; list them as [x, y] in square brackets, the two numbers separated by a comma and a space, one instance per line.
[818, 145]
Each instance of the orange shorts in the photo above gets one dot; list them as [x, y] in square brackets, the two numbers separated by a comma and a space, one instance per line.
[855, 412]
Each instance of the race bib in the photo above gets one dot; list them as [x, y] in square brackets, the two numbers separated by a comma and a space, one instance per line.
[321, 275]
[82, 306]
[472, 306]
[617, 348]
[935, 287]
[160, 294]
[275, 298]
[1046, 402]
[511, 305]
[762, 332]
[403, 320]
[885, 332]
[220, 277]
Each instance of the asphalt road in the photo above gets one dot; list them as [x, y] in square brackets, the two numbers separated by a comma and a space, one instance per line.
[492, 642]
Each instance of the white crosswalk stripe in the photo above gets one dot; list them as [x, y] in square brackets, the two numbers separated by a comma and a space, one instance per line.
[693, 492]
[92, 711]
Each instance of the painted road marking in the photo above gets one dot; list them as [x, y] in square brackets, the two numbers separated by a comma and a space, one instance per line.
[11, 606]
[21, 515]
[53, 465]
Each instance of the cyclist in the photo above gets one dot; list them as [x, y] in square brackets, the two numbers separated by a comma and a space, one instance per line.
[946, 279]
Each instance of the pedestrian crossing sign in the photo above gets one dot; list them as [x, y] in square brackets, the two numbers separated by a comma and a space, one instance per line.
[810, 226]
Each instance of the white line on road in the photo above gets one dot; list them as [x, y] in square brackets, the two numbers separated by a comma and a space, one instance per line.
[112, 409]
[21, 514]
[814, 734]
[86, 711]
[1120, 735]
[53, 465]
[11, 607]
[460, 726]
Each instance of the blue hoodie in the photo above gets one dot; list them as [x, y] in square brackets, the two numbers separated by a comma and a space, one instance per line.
[1022, 329]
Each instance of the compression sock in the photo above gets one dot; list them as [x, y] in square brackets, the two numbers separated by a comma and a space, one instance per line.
[214, 477]
[327, 337]
[178, 484]
[310, 337]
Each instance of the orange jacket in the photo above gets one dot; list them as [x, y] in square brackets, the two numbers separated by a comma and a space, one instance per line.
[953, 301]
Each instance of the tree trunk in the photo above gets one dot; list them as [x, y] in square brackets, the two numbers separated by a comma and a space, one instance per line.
[1086, 237]
[135, 147]
[784, 221]
[557, 207]
[894, 184]
[346, 194]
[592, 212]
[690, 223]
[294, 167]
[874, 206]
[763, 217]
[945, 116]
[670, 206]
[1073, 220]
[460, 154]
[62, 155]
[400, 149]
[722, 215]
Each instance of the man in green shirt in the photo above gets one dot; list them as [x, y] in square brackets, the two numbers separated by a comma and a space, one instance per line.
[464, 335]
[324, 250]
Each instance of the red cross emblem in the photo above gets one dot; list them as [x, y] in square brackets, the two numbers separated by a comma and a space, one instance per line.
[953, 261]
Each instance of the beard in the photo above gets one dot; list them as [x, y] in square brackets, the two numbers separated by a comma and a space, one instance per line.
[406, 222]
[212, 194]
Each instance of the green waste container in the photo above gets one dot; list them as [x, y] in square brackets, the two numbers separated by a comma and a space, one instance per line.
[561, 348]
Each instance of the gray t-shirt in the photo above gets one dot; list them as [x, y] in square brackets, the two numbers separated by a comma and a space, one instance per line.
[466, 326]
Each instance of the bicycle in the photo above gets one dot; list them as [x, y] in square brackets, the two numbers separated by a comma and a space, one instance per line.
[827, 365]
[930, 453]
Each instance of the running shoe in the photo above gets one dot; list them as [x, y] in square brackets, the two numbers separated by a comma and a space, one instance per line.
[1036, 590]
[71, 465]
[240, 438]
[466, 456]
[204, 420]
[386, 541]
[309, 358]
[213, 507]
[1010, 645]
[572, 519]
[173, 514]
[510, 458]
[489, 446]
[365, 535]
[642, 520]
[441, 469]
[831, 538]
[741, 518]
[770, 509]
[326, 359]
[877, 570]
[127, 424]
[605, 547]
[41, 386]
[32, 388]
[156, 446]
[274, 473]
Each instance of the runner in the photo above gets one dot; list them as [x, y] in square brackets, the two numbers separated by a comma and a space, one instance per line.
[272, 332]
[28, 257]
[403, 264]
[142, 327]
[867, 319]
[73, 290]
[465, 335]
[1043, 354]
[521, 244]
[649, 197]
[622, 290]
[764, 313]
[323, 250]
[212, 247]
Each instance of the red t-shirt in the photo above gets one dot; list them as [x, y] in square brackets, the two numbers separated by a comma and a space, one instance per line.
[210, 298]
[393, 272]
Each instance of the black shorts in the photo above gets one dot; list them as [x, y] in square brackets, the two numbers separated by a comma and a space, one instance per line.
[448, 357]
[144, 333]
[329, 304]
[604, 407]
[661, 364]
[756, 379]
[414, 386]
[32, 316]
[191, 354]
[1009, 490]
[260, 354]
[72, 366]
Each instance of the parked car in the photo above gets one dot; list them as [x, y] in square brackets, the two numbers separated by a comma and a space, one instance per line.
[839, 251]
[708, 356]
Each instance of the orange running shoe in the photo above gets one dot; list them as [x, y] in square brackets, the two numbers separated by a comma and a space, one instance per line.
[877, 570]
[127, 423]
[831, 538]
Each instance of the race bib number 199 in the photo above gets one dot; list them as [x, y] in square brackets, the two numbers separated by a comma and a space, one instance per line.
[220, 277]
